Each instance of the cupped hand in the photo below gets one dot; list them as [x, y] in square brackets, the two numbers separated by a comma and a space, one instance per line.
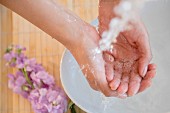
[131, 55]
[126, 79]
[91, 63]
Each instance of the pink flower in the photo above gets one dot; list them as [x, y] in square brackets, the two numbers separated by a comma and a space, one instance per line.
[34, 83]
[11, 82]
[31, 65]
[16, 83]
[48, 101]
[42, 77]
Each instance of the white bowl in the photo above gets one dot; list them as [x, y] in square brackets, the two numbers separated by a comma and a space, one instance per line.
[156, 16]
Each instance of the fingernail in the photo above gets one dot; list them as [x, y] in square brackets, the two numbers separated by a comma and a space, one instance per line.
[133, 88]
[108, 58]
[114, 84]
[145, 71]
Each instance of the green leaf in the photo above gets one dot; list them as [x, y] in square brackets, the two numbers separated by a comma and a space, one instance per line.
[19, 51]
[71, 106]
[9, 49]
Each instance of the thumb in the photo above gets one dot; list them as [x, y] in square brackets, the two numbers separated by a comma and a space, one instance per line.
[141, 41]
[143, 46]
[143, 65]
[145, 55]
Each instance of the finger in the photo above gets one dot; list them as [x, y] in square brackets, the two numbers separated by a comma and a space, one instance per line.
[152, 67]
[123, 87]
[103, 85]
[146, 82]
[123, 96]
[143, 65]
[144, 85]
[108, 57]
[109, 71]
[109, 65]
[134, 84]
[150, 75]
[105, 89]
[114, 84]
[151, 71]
[146, 56]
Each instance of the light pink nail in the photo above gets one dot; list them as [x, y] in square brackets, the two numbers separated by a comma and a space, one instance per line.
[145, 71]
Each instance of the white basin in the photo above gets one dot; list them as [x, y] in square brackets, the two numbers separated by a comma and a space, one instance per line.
[156, 16]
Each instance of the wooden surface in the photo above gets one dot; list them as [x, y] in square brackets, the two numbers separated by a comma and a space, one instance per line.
[16, 30]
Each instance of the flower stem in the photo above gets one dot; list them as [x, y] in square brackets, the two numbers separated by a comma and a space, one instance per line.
[72, 107]
[27, 78]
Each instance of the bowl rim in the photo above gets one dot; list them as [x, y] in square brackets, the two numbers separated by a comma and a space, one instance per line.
[65, 89]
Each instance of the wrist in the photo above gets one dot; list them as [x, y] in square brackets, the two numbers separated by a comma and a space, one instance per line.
[86, 36]
[106, 13]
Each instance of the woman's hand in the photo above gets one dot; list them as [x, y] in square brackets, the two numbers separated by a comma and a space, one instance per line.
[126, 78]
[92, 63]
[131, 54]
[75, 34]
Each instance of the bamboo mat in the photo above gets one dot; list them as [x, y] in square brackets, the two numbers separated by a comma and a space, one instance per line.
[16, 30]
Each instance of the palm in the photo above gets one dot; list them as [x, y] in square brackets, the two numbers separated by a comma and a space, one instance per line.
[126, 77]
[131, 56]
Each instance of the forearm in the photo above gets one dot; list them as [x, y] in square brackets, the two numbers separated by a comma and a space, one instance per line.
[52, 18]
[106, 13]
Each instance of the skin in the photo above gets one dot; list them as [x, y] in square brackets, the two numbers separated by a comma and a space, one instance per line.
[126, 79]
[75, 34]
[131, 54]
